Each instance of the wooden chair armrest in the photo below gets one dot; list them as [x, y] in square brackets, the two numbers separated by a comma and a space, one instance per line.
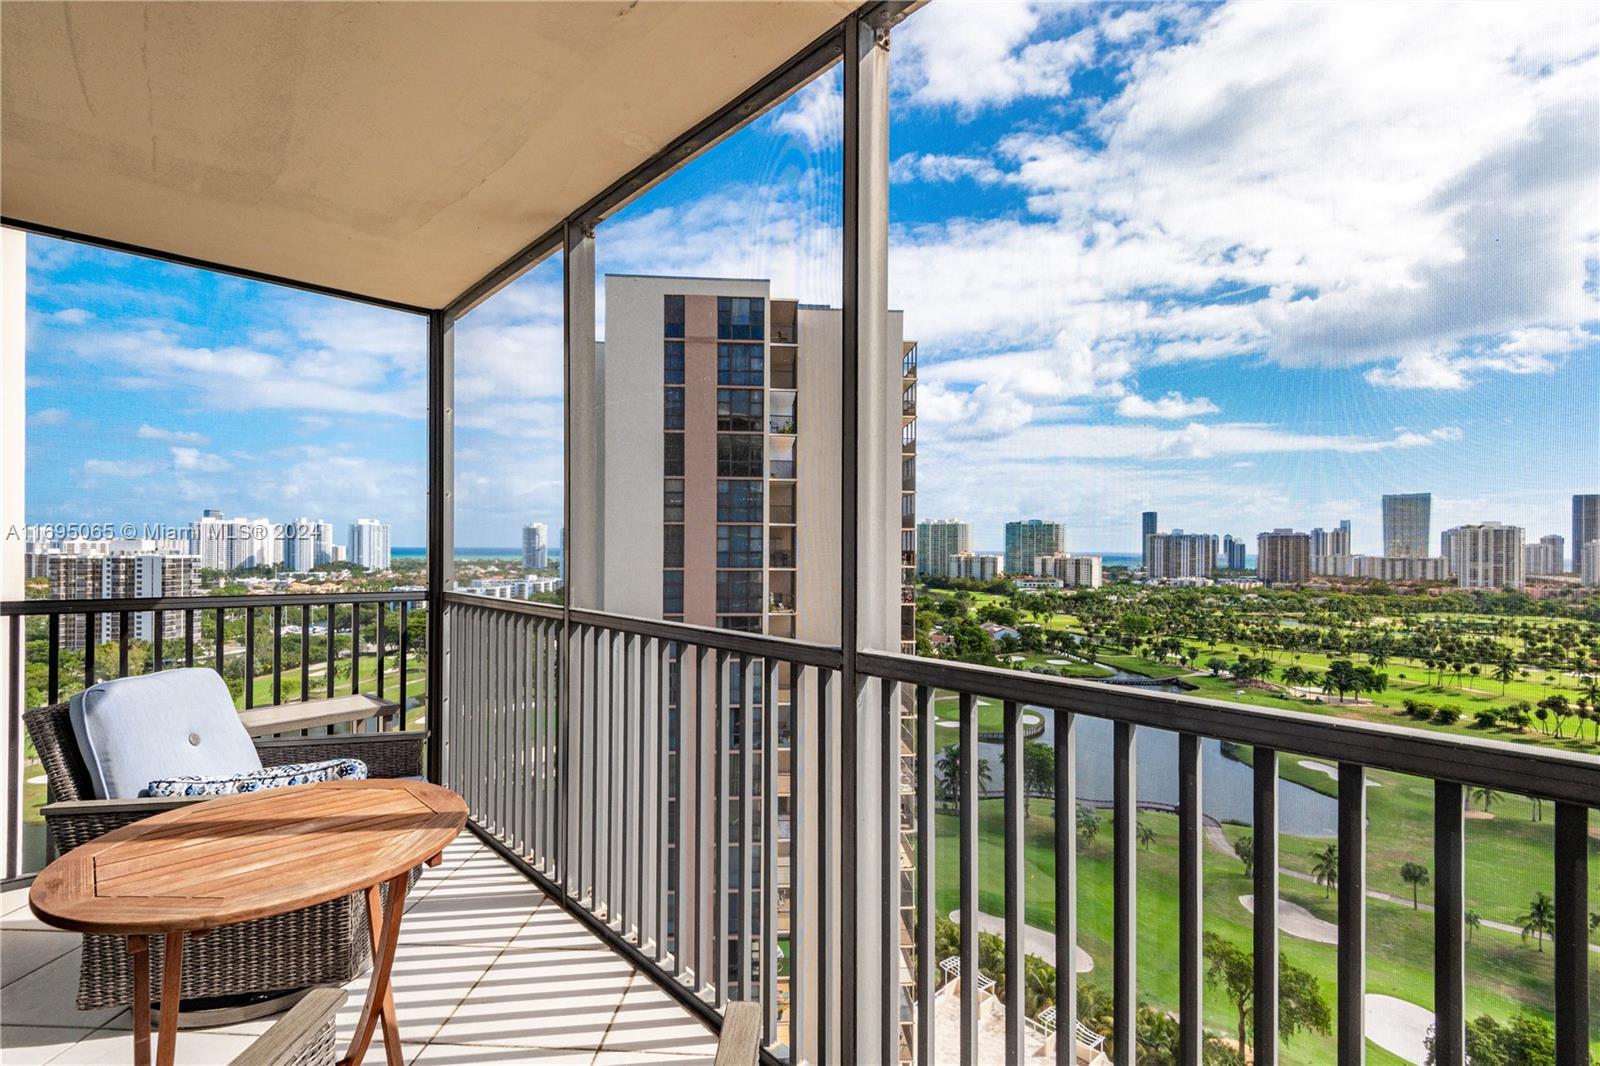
[740, 1042]
[142, 807]
[314, 714]
[289, 1035]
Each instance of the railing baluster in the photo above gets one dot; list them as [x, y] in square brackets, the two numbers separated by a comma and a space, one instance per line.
[889, 902]
[968, 793]
[1449, 923]
[1016, 986]
[305, 652]
[1352, 950]
[666, 793]
[157, 642]
[604, 748]
[769, 854]
[827, 918]
[379, 612]
[405, 664]
[749, 685]
[721, 877]
[1066, 847]
[698, 821]
[650, 800]
[1125, 916]
[14, 783]
[249, 657]
[330, 614]
[629, 778]
[528, 669]
[53, 639]
[801, 864]
[277, 653]
[123, 639]
[355, 648]
[1191, 892]
[219, 642]
[91, 622]
[188, 637]
[1265, 832]
[925, 878]
[1572, 935]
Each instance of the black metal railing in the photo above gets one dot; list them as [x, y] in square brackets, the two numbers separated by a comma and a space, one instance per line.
[615, 759]
[270, 648]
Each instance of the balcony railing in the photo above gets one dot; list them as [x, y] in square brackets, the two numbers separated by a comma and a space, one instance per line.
[666, 743]
[783, 468]
[297, 647]
[631, 768]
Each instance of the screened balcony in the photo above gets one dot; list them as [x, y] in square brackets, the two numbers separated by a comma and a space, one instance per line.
[668, 817]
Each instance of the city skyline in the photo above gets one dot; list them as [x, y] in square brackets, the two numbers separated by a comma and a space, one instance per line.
[1196, 360]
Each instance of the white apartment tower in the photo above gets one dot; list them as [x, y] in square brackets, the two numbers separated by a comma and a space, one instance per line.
[369, 544]
[1175, 555]
[535, 546]
[1485, 555]
[1546, 558]
[307, 543]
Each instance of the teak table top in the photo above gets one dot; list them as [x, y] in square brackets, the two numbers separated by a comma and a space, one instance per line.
[236, 858]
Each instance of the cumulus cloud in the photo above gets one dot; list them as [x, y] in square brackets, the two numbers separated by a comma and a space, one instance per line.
[815, 115]
[1172, 405]
[971, 58]
[149, 432]
[193, 460]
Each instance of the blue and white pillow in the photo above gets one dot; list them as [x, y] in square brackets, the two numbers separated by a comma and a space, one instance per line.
[257, 780]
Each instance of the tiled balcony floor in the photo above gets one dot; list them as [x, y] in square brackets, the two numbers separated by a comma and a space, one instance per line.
[489, 971]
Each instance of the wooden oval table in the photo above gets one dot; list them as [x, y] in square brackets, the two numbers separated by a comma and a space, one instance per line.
[236, 858]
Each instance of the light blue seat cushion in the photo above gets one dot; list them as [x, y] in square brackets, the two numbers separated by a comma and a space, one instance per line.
[176, 723]
[303, 773]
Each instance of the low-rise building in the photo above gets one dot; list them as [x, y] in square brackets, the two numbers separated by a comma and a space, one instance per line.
[1073, 571]
[972, 566]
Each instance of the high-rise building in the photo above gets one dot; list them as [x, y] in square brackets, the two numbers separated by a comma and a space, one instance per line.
[1073, 571]
[1029, 539]
[1585, 523]
[1147, 529]
[1545, 558]
[1589, 563]
[535, 546]
[720, 413]
[1283, 556]
[1382, 567]
[1175, 555]
[1407, 519]
[1485, 555]
[369, 544]
[972, 566]
[937, 540]
[307, 542]
[223, 543]
[1235, 552]
[126, 576]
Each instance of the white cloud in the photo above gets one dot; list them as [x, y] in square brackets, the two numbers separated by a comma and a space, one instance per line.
[193, 460]
[116, 469]
[974, 56]
[815, 114]
[931, 167]
[49, 416]
[149, 432]
[72, 316]
[1172, 405]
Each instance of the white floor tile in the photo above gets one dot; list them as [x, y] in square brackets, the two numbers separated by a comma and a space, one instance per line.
[26, 950]
[33, 1045]
[651, 1021]
[48, 995]
[539, 999]
[552, 927]
[437, 1054]
[114, 1047]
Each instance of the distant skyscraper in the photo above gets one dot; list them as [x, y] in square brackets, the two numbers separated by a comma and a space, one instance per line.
[937, 540]
[1485, 555]
[1234, 552]
[307, 542]
[1406, 524]
[1283, 556]
[1585, 524]
[1148, 528]
[1026, 541]
[1339, 539]
[369, 544]
[1547, 557]
[1180, 555]
[1589, 563]
[535, 546]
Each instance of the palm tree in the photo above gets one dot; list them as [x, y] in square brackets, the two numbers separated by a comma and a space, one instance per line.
[1325, 865]
[1472, 920]
[1486, 796]
[1540, 921]
[1416, 875]
[1146, 835]
[951, 771]
[1504, 672]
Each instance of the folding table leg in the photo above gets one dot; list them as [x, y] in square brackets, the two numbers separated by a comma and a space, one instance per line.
[139, 949]
[380, 996]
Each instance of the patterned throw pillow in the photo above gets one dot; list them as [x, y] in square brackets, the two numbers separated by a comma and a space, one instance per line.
[268, 777]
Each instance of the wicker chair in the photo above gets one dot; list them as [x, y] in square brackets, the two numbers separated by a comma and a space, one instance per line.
[251, 961]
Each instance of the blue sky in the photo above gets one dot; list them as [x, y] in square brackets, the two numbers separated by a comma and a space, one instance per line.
[1246, 265]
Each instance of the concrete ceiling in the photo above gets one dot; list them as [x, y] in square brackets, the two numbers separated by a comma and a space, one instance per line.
[396, 150]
